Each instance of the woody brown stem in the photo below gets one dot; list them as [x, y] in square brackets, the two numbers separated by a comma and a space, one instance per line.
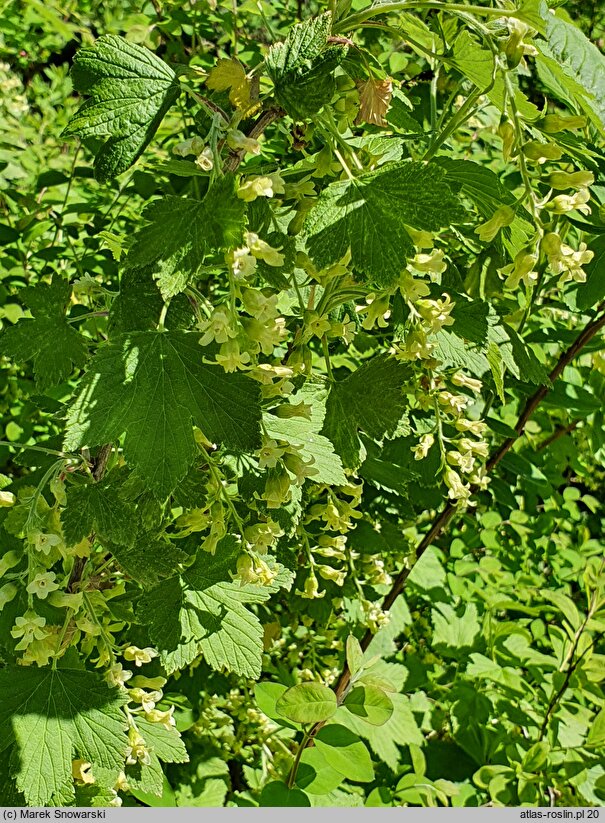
[258, 127]
[99, 468]
[443, 519]
[560, 432]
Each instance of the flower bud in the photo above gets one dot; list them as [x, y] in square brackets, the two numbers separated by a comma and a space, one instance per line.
[7, 499]
[502, 217]
[570, 180]
[553, 123]
[288, 410]
[563, 203]
[335, 575]
[522, 270]
[277, 488]
[461, 379]
[9, 561]
[7, 593]
[506, 132]
[541, 152]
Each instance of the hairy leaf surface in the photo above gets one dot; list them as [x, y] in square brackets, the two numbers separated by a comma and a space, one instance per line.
[575, 61]
[151, 387]
[47, 340]
[302, 67]
[183, 232]
[205, 611]
[130, 89]
[54, 716]
[352, 405]
[97, 507]
[368, 215]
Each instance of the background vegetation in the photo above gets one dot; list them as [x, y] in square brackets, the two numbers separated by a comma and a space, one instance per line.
[459, 396]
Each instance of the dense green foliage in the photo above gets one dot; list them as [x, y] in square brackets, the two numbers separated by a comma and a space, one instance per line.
[301, 499]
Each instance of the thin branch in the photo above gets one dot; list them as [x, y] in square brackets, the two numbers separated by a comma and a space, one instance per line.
[100, 462]
[355, 20]
[98, 471]
[536, 398]
[443, 519]
[158, 9]
[257, 128]
[560, 432]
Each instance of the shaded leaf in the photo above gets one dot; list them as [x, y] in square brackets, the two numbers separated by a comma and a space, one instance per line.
[400, 730]
[352, 405]
[53, 716]
[183, 232]
[345, 752]
[302, 67]
[151, 387]
[278, 794]
[47, 340]
[315, 775]
[139, 304]
[149, 560]
[368, 215]
[97, 507]
[370, 703]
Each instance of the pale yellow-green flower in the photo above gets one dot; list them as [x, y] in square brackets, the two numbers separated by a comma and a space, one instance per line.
[311, 588]
[140, 656]
[263, 251]
[570, 179]
[463, 380]
[231, 358]
[29, 627]
[42, 585]
[116, 675]
[193, 146]
[501, 218]
[270, 454]
[421, 450]
[238, 141]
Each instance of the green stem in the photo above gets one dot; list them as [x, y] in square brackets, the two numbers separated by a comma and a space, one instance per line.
[217, 476]
[54, 453]
[104, 634]
[439, 430]
[355, 20]
[62, 636]
[203, 101]
[342, 162]
[302, 746]
[162, 320]
[463, 113]
[329, 123]
[529, 192]
[86, 316]
[403, 35]
[67, 190]
[326, 353]
[33, 506]
[433, 96]
[301, 302]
